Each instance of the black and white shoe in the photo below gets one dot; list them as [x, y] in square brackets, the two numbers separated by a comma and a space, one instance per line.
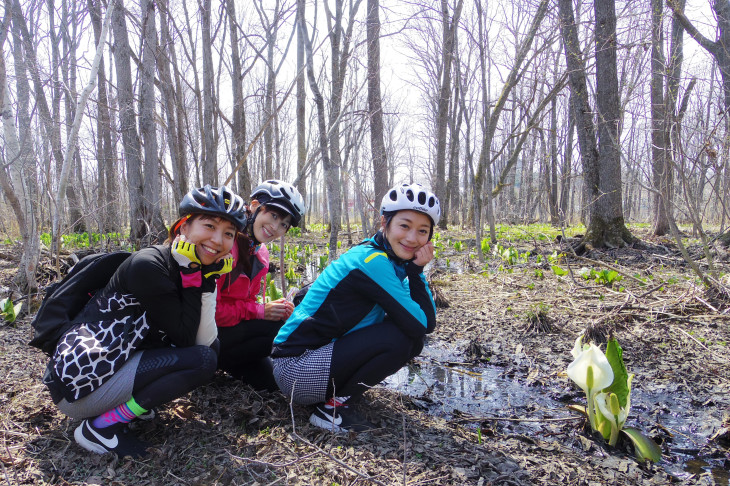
[148, 415]
[116, 438]
[338, 417]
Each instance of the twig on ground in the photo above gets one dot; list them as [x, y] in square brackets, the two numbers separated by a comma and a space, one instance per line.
[474, 418]
[405, 448]
[430, 480]
[702, 345]
[318, 450]
[276, 465]
[706, 303]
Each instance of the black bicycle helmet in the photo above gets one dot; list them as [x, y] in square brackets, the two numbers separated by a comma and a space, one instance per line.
[216, 201]
[281, 195]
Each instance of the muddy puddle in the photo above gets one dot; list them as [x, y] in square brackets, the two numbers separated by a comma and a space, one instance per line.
[484, 396]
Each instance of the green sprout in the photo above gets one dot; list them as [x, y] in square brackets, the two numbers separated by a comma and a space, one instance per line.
[9, 311]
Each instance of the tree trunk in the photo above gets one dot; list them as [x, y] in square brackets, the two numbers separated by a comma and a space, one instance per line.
[444, 101]
[127, 124]
[582, 112]
[107, 188]
[19, 152]
[456, 118]
[322, 138]
[301, 107]
[567, 168]
[165, 54]
[340, 49]
[606, 221]
[551, 176]
[239, 114]
[68, 73]
[269, 97]
[210, 161]
[660, 112]
[157, 231]
[375, 108]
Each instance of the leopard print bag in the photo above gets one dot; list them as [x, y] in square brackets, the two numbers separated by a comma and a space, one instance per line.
[91, 352]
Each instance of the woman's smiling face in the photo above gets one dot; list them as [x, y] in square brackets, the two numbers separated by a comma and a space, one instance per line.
[270, 223]
[407, 232]
[213, 237]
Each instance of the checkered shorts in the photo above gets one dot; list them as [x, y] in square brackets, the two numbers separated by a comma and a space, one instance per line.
[304, 378]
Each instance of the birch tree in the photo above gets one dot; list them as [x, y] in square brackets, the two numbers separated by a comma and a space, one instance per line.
[13, 184]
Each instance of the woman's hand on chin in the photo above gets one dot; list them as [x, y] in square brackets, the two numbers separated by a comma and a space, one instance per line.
[424, 255]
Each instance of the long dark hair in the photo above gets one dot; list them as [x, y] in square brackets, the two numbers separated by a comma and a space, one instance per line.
[246, 244]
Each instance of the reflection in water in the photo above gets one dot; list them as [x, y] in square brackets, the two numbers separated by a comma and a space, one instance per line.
[467, 391]
[482, 393]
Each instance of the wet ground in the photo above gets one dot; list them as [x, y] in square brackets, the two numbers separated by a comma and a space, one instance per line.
[442, 382]
[485, 403]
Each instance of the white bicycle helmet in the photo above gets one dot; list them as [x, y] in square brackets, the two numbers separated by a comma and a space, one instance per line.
[414, 197]
[281, 195]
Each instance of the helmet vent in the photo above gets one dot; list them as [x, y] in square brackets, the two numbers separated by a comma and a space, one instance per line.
[409, 195]
[431, 202]
[421, 198]
[393, 196]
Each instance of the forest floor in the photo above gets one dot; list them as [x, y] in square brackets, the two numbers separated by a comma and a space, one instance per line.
[516, 321]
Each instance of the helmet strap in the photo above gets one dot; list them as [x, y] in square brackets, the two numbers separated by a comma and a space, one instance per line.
[249, 228]
[180, 223]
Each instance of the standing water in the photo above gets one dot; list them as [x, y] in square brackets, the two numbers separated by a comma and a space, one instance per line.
[471, 394]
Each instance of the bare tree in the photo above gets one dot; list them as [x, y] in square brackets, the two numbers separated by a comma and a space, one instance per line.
[14, 185]
[375, 108]
[128, 125]
[449, 24]
[301, 105]
[148, 127]
[601, 157]
[239, 114]
[663, 116]
[720, 51]
[107, 185]
[172, 102]
[210, 161]
[329, 139]
[68, 75]
[491, 117]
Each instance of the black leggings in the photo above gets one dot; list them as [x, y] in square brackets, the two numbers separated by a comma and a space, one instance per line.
[245, 350]
[367, 356]
[167, 373]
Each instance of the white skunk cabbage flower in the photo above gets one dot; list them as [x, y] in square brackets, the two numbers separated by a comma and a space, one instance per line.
[592, 372]
[593, 362]
[608, 404]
